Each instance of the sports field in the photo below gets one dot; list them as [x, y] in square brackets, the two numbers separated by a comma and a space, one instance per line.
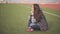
[14, 19]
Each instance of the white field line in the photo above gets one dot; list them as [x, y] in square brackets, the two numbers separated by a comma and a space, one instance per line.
[51, 14]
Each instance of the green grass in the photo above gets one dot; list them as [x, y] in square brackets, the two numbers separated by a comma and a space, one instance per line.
[52, 11]
[14, 17]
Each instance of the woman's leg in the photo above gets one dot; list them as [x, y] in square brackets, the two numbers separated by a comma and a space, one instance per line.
[35, 27]
[29, 29]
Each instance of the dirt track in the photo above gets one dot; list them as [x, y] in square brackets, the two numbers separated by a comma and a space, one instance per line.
[52, 6]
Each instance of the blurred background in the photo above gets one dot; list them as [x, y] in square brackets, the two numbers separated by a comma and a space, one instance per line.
[31, 1]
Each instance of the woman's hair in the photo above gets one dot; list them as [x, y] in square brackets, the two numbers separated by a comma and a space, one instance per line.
[37, 11]
[36, 7]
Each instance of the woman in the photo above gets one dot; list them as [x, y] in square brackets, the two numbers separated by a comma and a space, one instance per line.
[36, 19]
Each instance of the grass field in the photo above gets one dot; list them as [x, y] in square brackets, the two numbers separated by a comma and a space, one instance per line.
[14, 17]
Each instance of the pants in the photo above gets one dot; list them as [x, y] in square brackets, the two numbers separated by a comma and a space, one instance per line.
[35, 27]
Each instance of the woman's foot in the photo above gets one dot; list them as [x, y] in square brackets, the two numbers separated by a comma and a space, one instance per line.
[29, 29]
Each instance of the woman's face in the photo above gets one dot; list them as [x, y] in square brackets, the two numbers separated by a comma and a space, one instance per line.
[32, 12]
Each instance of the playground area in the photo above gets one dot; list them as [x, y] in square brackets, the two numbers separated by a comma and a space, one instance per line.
[14, 18]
